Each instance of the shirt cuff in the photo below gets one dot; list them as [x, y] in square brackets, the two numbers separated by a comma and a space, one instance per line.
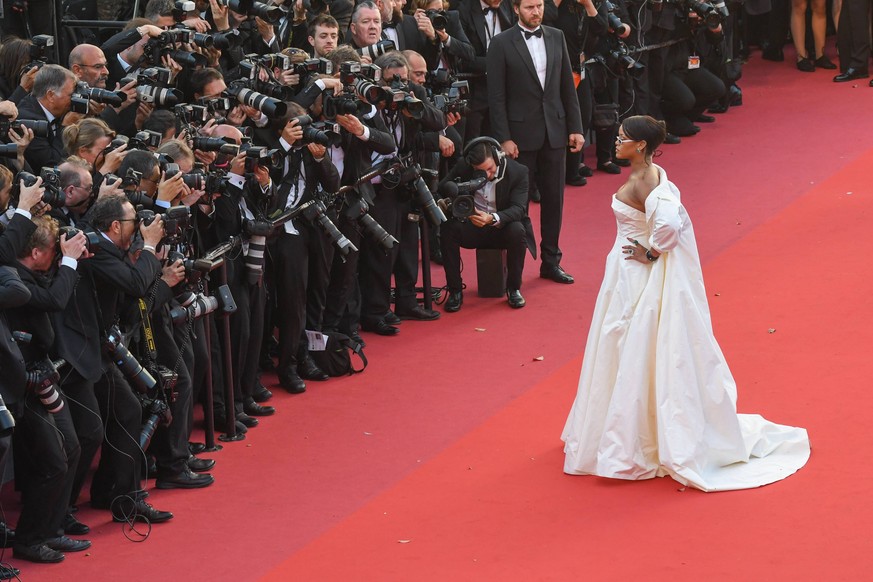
[162, 203]
[236, 180]
[23, 213]
[496, 219]
[69, 262]
[364, 136]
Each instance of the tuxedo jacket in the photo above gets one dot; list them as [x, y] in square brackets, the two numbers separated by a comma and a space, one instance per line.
[410, 38]
[358, 154]
[104, 281]
[42, 151]
[472, 21]
[14, 238]
[13, 294]
[510, 193]
[459, 50]
[112, 47]
[521, 109]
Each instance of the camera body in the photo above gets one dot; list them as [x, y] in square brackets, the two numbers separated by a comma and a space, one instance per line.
[458, 196]
[51, 182]
[38, 52]
[38, 127]
[437, 18]
[176, 220]
[92, 239]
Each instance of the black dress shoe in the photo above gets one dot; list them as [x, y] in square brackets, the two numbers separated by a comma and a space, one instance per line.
[308, 370]
[391, 318]
[196, 448]
[261, 394]
[556, 274]
[381, 328]
[39, 553]
[850, 75]
[516, 301]
[717, 108]
[199, 465]
[672, 139]
[805, 65]
[585, 171]
[609, 168]
[622, 162]
[771, 53]
[252, 408]
[7, 536]
[139, 511]
[221, 424]
[65, 544]
[824, 63]
[576, 181]
[454, 302]
[704, 118]
[418, 312]
[186, 479]
[292, 382]
[74, 527]
[534, 193]
[246, 420]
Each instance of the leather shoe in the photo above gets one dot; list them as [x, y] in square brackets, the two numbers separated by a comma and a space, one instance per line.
[673, 139]
[139, 511]
[246, 420]
[418, 312]
[391, 318]
[516, 301]
[65, 544]
[261, 394]
[185, 479]
[609, 168]
[381, 328]
[454, 302]
[850, 75]
[771, 53]
[252, 408]
[309, 370]
[196, 448]
[39, 553]
[534, 193]
[805, 65]
[704, 118]
[221, 424]
[557, 274]
[576, 181]
[292, 382]
[585, 171]
[824, 63]
[74, 527]
[199, 465]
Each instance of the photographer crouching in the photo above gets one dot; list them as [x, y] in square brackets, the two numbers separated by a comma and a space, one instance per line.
[487, 199]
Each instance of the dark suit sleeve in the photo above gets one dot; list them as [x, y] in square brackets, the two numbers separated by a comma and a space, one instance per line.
[15, 237]
[460, 46]
[497, 87]
[327, 175]
[133, 280]
[380, 140]
[341, 10]
[13, 293]
[56, 296]
[516, 176]
[432, 119]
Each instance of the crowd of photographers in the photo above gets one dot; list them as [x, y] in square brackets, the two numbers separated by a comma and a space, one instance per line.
[223, 173]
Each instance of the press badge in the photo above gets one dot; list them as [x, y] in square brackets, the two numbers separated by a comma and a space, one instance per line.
[693, 62]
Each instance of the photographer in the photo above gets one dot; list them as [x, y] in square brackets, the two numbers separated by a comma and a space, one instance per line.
[90, 66]
[300, 250]
[50, 100]
[95, 383]
[443, 27]
[89, 139]
[16, 79]
[493, 216]
[45, 464]
[125, 51]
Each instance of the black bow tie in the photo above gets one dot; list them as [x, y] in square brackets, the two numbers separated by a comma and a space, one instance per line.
[389, 25]
[488, 9]
[537, 33]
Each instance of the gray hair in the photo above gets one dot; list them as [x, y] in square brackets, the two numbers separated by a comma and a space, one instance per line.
[361, 6]
[51, 78]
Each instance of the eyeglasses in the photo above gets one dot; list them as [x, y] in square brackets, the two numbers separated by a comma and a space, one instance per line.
[98, 66]
[127, 219]
[619, 140]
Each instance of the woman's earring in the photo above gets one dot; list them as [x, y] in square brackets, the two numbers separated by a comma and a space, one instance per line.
[639, 151]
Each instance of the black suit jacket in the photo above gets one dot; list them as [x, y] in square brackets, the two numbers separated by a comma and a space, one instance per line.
[42, 151]
[115, 45]
[511, 195]
[521, 109]
[358, 155]
[13, 293]
[105, 279]
[14, 238]
[459, 50]
[473, 22]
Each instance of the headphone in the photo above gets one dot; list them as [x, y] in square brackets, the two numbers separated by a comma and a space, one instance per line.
[497, 154]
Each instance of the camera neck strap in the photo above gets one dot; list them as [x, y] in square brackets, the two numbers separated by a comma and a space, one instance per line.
[147, 332]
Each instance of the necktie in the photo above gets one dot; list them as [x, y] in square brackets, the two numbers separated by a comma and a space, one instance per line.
[537, 33]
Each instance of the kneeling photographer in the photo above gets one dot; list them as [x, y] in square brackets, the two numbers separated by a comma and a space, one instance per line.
[486, 196]
[45, 465]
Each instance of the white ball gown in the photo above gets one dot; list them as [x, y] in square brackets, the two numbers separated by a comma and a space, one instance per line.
[656, 396]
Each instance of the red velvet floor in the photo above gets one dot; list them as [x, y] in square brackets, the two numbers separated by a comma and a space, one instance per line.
[443, 460]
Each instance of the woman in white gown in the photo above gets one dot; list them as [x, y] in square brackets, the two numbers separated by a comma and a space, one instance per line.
[656, 396]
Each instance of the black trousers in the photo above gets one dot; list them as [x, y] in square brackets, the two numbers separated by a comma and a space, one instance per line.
[342, 289]
[546, 169]
[853, 35]
[377, 263]
[121, 459]
[88, 423]
[686, 94]
[406, 264]
[456, 234]
[246, 329]
[46, 454]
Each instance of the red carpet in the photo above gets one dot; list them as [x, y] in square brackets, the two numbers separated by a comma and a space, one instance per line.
[449, 441]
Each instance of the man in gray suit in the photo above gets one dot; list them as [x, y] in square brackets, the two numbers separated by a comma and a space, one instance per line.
[535, 115]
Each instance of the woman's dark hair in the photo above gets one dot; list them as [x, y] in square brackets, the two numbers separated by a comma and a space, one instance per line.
[14, 54]
[643, 127]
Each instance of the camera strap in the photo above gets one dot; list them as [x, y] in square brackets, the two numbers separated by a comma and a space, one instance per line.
[147, 332]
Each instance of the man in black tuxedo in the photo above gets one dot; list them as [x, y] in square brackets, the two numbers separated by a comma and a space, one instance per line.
[49, 101]
[375, 21]
[535, 115]
[482, 21]
[499, 219]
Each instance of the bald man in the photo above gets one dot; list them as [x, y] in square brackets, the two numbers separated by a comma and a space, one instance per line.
[89, 64]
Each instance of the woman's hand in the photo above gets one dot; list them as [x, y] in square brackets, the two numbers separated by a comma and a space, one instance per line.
[637, 252]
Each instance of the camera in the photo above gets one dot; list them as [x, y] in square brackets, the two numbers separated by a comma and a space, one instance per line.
[181, 8]
[458, 196]
[318, 131]
[437, 18]
[195, 269]
[51, 182]
[114, 98]
[39, 128]
[258, 227]
[176, 220]
[42, 378]
[215, 144]
[145, 139]
[164, 45]
[38, 48]
[153, 86]
[140, 379]
[251, 9]
[454, 100]
[266, 105]
[259, 156]
[92, 239]
[712, 14]
[156, 407]
[194, 305]
[378, 49]
[315, 213]
[358, 210]
[410, 174]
